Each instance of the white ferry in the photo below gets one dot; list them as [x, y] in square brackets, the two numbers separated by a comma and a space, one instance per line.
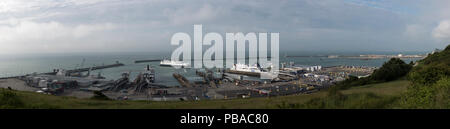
[254, 70]
[246, 68]
[174, 63]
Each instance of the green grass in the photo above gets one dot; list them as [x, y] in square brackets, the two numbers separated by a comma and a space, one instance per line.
[373, 96]
[389, 90]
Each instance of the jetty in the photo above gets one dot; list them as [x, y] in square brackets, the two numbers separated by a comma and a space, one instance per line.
[144, 61]
[182, 80]
[117, 64]
[209, 78]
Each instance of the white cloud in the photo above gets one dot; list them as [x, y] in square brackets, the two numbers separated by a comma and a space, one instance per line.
[17, 6]
[29, 36]
[442, 31]
[131, 25]
[192, 14]
[86, 2]
[81, 31]
[415, 32]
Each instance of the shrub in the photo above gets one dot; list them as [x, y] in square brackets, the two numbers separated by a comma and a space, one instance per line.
[9, 99]
[428, 95]
[430, 82]
[391, 70]
[442, 93]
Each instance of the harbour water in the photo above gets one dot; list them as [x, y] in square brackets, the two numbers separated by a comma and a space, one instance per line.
[26, 64]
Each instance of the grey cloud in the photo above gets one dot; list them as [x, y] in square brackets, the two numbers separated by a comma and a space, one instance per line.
[137, 25]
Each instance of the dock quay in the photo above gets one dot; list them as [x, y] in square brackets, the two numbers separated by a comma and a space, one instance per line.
[182, 80]
[3, 78]
[144, 61]
[117, 64]
[209, 78]
[253, 74]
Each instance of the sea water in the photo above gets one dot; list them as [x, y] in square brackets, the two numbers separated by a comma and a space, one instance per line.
[16, 65]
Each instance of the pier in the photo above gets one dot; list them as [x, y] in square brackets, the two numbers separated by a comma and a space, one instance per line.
[95, 68]
[182, 80]
[209, 78]
[144, 61]
[117, 64]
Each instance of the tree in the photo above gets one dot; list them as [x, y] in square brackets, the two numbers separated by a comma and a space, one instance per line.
[391, 70]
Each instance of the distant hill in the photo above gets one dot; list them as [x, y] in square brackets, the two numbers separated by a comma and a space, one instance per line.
[441, 57]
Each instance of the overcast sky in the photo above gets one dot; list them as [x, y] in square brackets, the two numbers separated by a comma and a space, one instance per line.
[56, 26]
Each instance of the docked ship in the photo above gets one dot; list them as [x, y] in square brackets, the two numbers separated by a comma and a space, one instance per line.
[170, 63]
[149, 74]
[246, 68]
[254, 70]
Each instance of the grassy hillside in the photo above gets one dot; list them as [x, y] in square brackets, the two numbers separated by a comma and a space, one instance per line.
[371, 96]
[378, 92]
[430, 82]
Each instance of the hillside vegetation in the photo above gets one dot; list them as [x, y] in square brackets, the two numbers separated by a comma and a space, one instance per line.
[394, 69]
[430, 82]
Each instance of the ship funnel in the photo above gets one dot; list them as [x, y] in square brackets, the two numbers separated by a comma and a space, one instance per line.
[148, 67]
